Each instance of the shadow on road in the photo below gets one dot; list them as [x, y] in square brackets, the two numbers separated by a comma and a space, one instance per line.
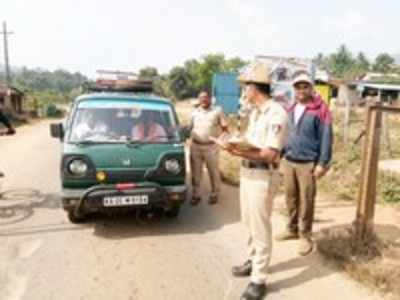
[18, 205]
[42, 229]
[192, 220]
[310, 270]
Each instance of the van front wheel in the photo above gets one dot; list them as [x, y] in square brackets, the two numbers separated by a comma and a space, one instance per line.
[173, 213]
[76, 219]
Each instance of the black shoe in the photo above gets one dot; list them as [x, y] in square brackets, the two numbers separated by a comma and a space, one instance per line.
[213, 200]
[242, 270]
[195, 201]
[254, 291]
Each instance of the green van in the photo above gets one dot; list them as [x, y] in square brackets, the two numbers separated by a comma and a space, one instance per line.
[121, 151]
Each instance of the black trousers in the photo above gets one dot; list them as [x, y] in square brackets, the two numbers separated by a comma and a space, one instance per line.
[4, 120]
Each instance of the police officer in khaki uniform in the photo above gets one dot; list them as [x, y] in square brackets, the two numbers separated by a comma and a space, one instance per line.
[259, 177]
[207, 122]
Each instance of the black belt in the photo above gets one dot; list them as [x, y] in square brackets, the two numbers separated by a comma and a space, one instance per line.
[298, 161]
[203, 143]
[252, 164]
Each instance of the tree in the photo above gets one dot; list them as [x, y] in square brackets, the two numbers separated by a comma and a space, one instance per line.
[161, 86]
[209, 65]
[235, 64]
[363, 62]
[60, 81]
[383, 63]
[197, 74]
[322, 62]
[148, 73]
[318, 60]
[359, 68]
[341, 62]
[192, 68]
[180, 83]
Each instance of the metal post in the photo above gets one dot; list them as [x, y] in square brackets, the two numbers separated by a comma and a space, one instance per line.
[369, 171]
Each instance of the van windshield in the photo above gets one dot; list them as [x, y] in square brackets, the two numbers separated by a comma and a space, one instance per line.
[118, 122]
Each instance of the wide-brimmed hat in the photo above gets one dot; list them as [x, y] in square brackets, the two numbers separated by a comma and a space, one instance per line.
[302, 78]
[257, 73]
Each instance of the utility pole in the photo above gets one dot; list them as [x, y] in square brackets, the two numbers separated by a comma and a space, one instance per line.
[7, 99]
[5, 34]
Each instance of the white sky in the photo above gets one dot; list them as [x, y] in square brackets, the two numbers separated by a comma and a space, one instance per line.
[87, 35]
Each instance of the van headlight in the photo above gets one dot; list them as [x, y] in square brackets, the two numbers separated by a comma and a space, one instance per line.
[78, 167]
[173, 166]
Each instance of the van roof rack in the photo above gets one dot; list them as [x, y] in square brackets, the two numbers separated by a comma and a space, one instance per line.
[144, 86]
[118, 81]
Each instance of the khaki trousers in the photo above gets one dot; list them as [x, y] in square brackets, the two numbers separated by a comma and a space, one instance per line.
[208, 155]
[300, 191]
[257, 191]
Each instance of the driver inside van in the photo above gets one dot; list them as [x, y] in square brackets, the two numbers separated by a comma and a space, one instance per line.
[89, 125]
[148, 129]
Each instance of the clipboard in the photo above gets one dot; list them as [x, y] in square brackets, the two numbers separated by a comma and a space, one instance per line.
[239, 142]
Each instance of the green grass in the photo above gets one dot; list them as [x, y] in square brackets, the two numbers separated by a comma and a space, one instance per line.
[343, 179]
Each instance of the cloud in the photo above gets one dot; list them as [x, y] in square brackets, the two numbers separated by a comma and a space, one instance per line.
[351, 21]
[254, 21]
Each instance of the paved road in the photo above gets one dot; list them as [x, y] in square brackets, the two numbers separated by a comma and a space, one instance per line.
[43, 256]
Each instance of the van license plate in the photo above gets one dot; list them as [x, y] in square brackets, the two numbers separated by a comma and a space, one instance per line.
[126, 200]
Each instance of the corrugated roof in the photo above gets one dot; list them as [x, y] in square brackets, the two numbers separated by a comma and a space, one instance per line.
[14, 90]
[381, 86]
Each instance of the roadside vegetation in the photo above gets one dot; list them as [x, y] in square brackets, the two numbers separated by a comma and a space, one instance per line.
[43, 87]
[46, 92]
[374, 262]
[342, 181]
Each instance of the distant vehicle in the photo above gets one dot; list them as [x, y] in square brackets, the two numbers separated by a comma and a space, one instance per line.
[121, 151]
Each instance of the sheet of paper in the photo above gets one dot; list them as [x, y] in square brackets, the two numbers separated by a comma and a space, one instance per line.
[239, 142]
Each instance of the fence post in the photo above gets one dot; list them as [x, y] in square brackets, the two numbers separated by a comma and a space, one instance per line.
[369, 171]
[386, 133]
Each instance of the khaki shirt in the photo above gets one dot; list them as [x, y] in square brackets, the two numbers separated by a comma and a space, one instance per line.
[268, 126]
[207, 123]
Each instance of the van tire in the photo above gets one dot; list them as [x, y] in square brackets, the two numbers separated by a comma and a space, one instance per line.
[74, 219]
[173, 213]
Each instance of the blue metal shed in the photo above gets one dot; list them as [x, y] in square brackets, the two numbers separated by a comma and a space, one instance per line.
[226, 91]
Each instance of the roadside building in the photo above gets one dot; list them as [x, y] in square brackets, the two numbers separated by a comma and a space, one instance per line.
[11, 99]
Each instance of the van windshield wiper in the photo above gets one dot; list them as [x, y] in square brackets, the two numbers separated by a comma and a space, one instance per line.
[154, 139]
[134, 142]
[93, 142]
[86, 142]
[163, 138]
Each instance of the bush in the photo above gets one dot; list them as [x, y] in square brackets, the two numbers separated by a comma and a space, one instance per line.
[390, 188]
[53, 112]
[367, 260]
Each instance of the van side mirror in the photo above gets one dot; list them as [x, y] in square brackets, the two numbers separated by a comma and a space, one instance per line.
[57, 131]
